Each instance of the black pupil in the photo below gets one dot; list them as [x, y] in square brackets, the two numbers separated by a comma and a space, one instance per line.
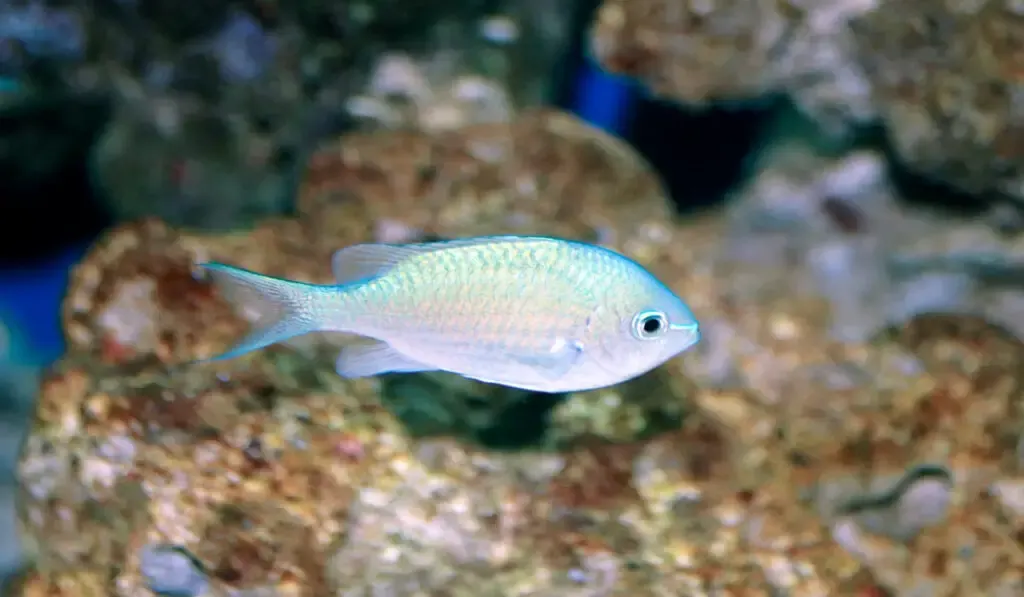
[652, 325]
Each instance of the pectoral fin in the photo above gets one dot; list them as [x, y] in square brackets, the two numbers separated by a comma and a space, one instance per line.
[556, 363]
[373, 357]
[546, 366]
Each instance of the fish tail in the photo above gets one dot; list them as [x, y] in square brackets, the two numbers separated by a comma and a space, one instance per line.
[283, 308]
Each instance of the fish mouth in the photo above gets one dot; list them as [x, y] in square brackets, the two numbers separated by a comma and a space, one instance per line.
[692, 330]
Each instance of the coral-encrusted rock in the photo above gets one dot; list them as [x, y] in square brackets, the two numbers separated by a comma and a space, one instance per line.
[798, 448]
[741, 50]
[948, 80]
[943, 77]
[966, 522]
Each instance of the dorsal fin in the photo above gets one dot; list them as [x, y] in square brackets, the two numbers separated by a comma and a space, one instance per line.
[370, 260]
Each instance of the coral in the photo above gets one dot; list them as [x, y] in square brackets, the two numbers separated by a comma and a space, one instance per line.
[942, 77]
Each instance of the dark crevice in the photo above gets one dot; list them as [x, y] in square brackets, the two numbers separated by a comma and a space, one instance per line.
[495, 417]
[920, 190]
[700, 155]
[47, 203]
[524, 423]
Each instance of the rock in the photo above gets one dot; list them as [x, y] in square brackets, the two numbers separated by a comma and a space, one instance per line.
[740, 51]
[786, 454]
[946, 78]
[942, 77]
[170, 571]
[967, 417]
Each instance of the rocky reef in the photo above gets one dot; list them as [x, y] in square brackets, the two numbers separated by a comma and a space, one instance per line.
[850, 425]
[943, 78]
[214, 108]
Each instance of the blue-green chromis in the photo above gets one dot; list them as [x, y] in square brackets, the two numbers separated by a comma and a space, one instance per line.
[537, 313]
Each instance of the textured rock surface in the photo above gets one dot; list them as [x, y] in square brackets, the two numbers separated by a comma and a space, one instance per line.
[948, 82]
[740, 50]
[828, 437]
[943, 77]
[214, 105]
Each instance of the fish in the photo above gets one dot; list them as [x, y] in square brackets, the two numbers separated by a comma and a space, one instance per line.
[536, 313]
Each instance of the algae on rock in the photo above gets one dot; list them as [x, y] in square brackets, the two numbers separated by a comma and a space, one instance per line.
[942, 77]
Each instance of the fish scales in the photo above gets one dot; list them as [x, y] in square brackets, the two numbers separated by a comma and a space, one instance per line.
[498, 296]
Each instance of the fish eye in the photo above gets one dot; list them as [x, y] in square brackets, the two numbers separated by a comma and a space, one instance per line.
[649, 324]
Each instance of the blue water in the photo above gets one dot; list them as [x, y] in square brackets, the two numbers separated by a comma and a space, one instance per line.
[30, 300]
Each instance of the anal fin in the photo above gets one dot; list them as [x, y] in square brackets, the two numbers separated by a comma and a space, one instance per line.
[546, 367]
[555, 363]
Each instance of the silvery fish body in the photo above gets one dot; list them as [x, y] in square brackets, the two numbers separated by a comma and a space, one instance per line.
[537, 313]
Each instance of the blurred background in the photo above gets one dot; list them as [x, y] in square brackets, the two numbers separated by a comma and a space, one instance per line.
[876, 159]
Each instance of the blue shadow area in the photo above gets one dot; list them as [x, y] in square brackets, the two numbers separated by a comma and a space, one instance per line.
[30, 299]
[602, 99]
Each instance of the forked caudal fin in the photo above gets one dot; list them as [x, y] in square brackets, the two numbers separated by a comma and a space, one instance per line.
[282, 308]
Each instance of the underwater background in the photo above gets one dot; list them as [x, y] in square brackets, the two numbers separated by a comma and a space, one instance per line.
[836, 189]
